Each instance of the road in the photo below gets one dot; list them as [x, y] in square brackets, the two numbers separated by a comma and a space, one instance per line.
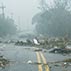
[24, 58]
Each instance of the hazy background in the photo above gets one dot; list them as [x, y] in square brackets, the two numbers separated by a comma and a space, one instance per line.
[22, 11]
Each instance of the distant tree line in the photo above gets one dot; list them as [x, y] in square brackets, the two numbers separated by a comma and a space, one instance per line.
[7, 26]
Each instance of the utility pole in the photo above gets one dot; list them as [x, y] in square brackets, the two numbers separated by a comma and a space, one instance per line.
[3, 8]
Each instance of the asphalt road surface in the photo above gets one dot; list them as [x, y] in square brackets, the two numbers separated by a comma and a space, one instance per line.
[26, 59]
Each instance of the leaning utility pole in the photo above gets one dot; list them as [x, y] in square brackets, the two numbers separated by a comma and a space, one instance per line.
[3, 8]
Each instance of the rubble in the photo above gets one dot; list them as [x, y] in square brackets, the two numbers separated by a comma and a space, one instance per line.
[67, 60]
[38, 49]
[3, 61]
[29, 62]
[60, 50]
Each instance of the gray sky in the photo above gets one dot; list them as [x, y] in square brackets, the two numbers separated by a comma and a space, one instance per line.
[23, 11]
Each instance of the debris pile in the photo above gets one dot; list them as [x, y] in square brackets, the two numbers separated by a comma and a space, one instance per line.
[3, 61]
[60, 50]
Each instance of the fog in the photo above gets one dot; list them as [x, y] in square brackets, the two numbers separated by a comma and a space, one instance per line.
[21, 11]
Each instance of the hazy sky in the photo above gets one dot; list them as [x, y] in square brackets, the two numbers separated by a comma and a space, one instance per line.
[22, 10]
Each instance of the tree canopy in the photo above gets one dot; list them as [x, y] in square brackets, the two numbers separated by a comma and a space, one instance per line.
[54, 20]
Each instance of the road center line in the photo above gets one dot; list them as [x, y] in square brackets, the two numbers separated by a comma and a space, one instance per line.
[44, 61]
[39, 61]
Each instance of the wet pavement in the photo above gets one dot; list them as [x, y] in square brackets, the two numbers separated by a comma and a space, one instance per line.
[19, 56]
